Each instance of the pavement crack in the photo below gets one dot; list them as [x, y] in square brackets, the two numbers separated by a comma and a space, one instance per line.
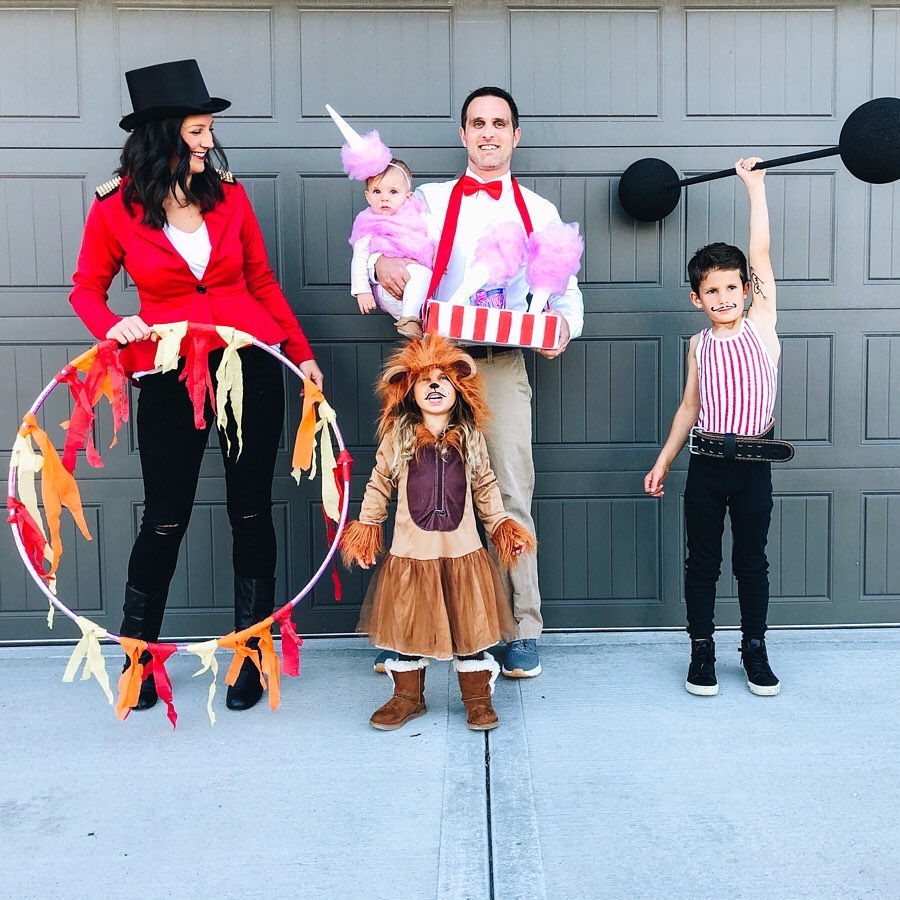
[487, 803]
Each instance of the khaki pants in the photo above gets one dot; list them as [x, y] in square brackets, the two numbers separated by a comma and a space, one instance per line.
[508, 439]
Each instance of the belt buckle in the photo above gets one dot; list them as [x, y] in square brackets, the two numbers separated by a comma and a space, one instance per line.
[692, 448]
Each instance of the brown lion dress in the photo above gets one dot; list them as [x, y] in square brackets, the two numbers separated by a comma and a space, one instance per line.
[437, 593]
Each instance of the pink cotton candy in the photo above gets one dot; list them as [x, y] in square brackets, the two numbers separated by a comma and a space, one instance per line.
[405, 233]
[502, 251]
[368, 159]
[554, 254]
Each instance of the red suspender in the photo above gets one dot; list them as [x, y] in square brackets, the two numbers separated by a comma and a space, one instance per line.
[523, 209]
[448, 231]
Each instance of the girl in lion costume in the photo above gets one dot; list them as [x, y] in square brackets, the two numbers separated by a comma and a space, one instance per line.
[437, 594]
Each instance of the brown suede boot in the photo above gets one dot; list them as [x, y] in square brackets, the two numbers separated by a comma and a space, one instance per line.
[408, 701]
[476, 684]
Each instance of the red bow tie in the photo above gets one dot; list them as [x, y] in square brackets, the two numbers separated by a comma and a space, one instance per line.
[492, 188]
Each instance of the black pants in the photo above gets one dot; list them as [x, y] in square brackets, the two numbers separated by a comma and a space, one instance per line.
[171, 452]
[744, 489]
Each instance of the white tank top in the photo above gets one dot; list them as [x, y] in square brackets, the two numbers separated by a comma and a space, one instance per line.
[738, 381]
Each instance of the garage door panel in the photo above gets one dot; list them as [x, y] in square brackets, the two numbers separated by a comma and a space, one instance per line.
[42, 217]
[884, 240]
[885, 52]
[602, 392]
[801, 209]
[786, 66]
[803, 406]
[585, 62]
[600, 549]
[234, 47]
[414, 82]
[39, 63]
[881, 540]
[882, 387]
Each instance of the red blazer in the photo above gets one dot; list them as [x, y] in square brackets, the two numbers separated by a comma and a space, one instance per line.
[238, 288]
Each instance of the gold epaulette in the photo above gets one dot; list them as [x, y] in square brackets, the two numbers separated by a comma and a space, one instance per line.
[108, 188]
[226, 176]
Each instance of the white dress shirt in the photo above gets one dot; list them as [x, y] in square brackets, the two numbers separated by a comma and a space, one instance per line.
[478, 214]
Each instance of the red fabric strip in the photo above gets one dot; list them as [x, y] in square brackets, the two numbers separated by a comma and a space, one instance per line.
[196, 370]
[291, 642]
[32, 539]
[159, 653]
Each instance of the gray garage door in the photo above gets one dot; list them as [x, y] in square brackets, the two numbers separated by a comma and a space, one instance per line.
[599, 86]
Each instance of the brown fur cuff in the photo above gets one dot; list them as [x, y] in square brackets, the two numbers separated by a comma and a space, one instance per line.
[361, 543]
[506, 536]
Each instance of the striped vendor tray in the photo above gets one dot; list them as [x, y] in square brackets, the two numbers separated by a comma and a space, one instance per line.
[483, 325]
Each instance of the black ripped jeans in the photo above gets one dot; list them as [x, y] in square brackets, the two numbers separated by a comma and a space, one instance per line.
[171, 451]
[744, 489]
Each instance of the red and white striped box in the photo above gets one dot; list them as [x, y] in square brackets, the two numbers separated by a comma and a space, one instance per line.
[483, 325]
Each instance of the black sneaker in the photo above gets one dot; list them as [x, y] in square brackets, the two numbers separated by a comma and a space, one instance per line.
[760, 678]
[701, 677]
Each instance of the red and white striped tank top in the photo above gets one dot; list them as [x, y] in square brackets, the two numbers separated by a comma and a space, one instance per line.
[738, 381]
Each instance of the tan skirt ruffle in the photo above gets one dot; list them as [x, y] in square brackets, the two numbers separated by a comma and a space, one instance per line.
[437, 607]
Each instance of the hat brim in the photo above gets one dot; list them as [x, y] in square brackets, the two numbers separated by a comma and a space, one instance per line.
[155, 113]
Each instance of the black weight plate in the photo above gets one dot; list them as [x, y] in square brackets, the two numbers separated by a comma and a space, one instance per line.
[648, 190]
[870, 141]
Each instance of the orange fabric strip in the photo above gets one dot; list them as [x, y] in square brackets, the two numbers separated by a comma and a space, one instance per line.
[306, 431]
[58, 489]
[130, 680]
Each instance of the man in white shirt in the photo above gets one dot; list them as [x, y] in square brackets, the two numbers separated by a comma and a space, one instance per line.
[490, 132]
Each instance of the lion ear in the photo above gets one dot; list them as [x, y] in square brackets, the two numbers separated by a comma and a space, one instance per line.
[464, 366]
[394, 374]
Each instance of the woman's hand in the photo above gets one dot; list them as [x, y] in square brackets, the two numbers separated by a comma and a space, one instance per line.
[312, 372]
[130, 329]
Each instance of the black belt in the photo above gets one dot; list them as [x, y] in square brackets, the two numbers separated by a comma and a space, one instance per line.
[744, 448]
[487, 351]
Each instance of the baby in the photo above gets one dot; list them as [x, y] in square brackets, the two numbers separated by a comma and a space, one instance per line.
[395, 225]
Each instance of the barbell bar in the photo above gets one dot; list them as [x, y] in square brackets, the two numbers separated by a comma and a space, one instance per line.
[869, 146]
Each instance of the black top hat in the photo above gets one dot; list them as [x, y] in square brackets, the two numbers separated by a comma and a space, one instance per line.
[166, 90]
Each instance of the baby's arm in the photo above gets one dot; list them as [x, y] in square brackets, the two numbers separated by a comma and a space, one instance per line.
[509, 537]
[685, 419]
[359, 276]
[362, 542]
[762, 278]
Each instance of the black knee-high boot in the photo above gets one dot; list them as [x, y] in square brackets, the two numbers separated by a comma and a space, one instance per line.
[254, 600]
[143, 615]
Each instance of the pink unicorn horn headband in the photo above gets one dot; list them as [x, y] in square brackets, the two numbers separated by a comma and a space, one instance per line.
[363, 156]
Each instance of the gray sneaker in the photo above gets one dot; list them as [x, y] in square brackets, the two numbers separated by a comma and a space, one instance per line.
[380, 660]
[522, 660]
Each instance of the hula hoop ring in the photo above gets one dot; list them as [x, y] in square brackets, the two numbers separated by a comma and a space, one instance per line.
[329, 556]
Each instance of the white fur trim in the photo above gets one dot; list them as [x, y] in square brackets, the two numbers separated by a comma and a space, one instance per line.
[404, 665]
[488, 664]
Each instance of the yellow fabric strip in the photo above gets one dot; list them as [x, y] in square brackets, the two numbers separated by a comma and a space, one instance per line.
[330, 495]
[206, 650]
[88, 650]
[169, 346]
[230, 384]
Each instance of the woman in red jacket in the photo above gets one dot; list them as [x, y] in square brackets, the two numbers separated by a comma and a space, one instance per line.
[187, 236]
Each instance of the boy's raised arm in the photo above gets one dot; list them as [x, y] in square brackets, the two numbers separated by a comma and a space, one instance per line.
[762, 278]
